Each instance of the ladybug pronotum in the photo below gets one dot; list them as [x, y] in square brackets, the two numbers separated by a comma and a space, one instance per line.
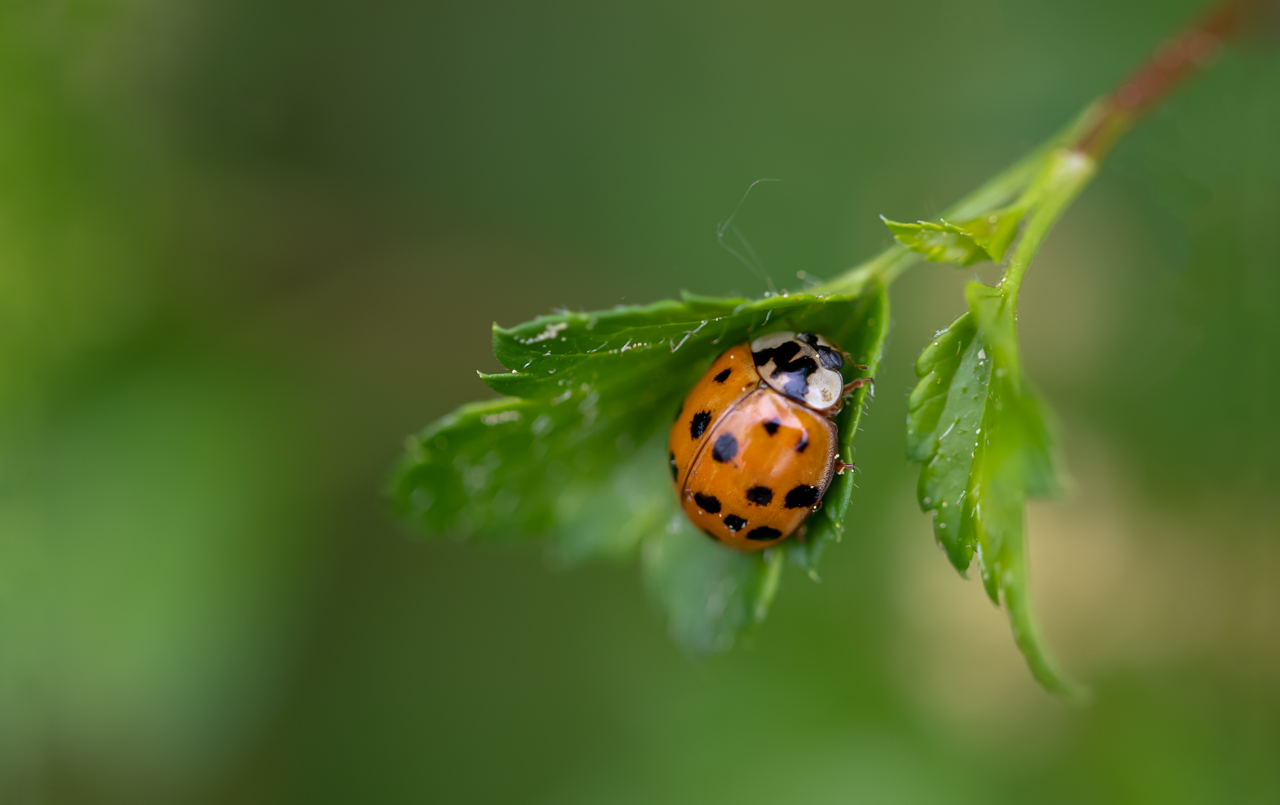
[753, 448]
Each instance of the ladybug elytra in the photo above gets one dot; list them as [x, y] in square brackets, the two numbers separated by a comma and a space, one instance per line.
[754, 447]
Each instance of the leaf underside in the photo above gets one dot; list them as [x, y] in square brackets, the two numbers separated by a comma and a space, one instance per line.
[575, 450]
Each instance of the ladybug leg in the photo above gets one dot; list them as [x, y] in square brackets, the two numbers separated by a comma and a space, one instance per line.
[854, 385]
[841, 467]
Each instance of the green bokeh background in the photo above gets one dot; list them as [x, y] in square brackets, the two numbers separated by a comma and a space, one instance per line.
[246, 246]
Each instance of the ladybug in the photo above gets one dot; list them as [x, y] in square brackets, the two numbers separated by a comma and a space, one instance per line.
[753, 448]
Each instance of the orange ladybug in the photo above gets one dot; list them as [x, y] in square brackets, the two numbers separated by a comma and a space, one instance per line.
[753, 448]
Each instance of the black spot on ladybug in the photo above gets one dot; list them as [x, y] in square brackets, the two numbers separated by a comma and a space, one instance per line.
[708, 503]
[779, 354]
[723, 376]
[760, 495]
[808, 338]
[802, 497]
[763, 534]
[671, 461]
[699, 423]
[772, 426]
[734, 522]
[725, 448]
[804, 443]
[794, 371]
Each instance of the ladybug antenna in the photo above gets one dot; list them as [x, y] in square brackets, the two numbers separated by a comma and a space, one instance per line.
[755, 264]
[848, 359]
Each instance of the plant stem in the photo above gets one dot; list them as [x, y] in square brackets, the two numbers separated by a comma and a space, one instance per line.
[1171, 64]
[1068, 172]
[1079, 148]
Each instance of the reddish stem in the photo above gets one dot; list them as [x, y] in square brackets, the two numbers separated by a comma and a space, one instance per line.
[1172, 62]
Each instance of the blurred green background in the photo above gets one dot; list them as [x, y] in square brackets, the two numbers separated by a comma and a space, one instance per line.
[247, 246]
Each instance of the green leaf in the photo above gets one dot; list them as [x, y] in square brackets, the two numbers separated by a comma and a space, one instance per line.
[1021, 414]
[575, 453]
[985, 444]
[610, 517]
[944, 423]
[965, 243]
[983, 437]
[710, 594]
[999, 486]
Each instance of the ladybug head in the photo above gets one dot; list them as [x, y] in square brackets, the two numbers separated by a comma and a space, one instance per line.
[804, 366]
